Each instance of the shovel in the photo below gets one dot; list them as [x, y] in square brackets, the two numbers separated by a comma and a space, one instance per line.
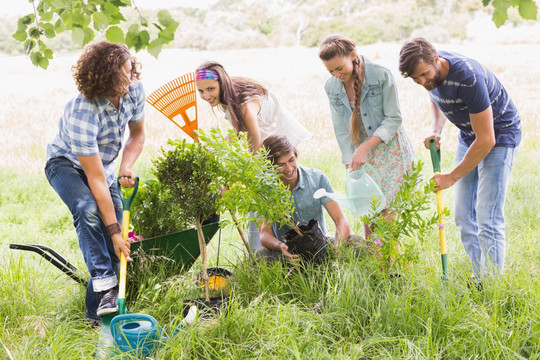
[436, 161]
[126, 207]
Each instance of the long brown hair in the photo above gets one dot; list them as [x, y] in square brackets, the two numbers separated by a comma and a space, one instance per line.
[233, 92]
[339, 45]
[97, 72]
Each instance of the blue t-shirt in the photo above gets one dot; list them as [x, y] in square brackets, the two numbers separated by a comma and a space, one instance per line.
[305, 206]
[469, 88]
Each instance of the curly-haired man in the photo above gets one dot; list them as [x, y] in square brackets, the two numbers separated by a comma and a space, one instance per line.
[80, 164]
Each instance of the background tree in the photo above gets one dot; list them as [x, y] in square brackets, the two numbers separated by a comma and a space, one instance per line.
[253, 24]
[527, 9]
[84, 19]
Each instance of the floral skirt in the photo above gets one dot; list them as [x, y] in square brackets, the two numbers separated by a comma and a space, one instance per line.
[391, 160]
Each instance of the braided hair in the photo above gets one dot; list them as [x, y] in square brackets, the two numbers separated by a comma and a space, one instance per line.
[339, 45]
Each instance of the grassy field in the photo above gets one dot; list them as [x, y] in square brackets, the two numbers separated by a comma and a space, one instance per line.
[343, 310]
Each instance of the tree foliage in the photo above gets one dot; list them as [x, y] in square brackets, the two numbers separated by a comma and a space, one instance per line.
[191, 176]
[253, 182]
[83, 18]
[241, 24]
[528, 9]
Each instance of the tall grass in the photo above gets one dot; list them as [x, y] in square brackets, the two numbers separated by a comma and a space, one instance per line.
[345, 309]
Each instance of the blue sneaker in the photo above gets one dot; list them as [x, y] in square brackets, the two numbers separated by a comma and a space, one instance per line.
[109, 302]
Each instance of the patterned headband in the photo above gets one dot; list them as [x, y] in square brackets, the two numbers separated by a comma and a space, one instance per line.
[206, 74]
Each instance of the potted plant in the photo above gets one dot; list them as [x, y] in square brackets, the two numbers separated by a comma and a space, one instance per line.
[189, 175]
[254, 186]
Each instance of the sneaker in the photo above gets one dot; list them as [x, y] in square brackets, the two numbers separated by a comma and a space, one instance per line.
[109, 302]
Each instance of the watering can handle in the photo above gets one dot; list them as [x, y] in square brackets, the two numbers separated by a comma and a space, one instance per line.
[367, 166]
[126, 202]
[125, 318]
[435, 156]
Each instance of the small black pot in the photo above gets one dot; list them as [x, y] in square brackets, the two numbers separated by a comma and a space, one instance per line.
[208, 309]
[312, 245]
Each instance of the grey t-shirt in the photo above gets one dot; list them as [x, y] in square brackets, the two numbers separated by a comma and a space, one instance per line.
[305, 206]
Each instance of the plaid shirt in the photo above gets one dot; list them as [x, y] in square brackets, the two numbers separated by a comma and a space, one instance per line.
[95, 127]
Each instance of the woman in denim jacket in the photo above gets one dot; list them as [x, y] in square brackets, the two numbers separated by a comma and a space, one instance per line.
[373, 133]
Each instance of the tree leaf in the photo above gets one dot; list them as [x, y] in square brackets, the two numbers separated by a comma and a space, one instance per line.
[101, 21]
[43, 62]
[164, 18]
[45, 16]
[20, 35]
[528, 10]
[29, 45]
[34, 32]
[26, 19]
[132, 36]
[499, 18]
[59, 26]
[166, 36]
[154, 47]
[144, 39]
[88, 35]
[48, 30]
[114, 34]
[77, 35]
[48, 53]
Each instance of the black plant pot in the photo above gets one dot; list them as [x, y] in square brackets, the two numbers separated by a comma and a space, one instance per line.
[208, 309]
[311, 245]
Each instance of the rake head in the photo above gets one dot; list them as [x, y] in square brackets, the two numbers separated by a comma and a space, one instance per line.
[177, 101]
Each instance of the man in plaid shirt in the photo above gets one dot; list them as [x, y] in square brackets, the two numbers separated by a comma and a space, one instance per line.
[80, 162]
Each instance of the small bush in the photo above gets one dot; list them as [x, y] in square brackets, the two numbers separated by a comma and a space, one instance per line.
[154, 213]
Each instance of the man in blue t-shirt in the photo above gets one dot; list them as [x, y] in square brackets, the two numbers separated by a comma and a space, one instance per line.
[472, 98]
[302, 182]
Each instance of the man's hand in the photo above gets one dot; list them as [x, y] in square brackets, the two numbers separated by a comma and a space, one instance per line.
[437, 138]
[121, 246]
[285, 251]
[443, 181]
[127, 178]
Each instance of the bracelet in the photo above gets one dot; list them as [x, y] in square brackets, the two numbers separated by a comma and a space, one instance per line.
[114, 229]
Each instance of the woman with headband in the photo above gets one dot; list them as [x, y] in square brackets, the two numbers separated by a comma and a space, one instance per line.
[248, 106]
[366, 116]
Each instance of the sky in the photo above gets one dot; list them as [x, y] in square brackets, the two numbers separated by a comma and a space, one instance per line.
[21, 7]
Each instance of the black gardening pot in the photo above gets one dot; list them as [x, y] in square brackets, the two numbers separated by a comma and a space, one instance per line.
[311, 245]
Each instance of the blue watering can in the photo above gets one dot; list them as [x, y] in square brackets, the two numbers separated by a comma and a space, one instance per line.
[140, 334]
[136, 334]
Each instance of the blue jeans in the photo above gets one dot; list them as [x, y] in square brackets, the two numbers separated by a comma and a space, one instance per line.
[479, 208]
[96, 245]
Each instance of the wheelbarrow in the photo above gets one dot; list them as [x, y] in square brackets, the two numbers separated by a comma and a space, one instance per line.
[181, 247]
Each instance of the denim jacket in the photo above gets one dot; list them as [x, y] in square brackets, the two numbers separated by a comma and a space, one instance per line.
[379, 108]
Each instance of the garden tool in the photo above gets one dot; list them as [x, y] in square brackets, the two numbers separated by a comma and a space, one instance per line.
[105, 336]
[177, 101]
[436, 161]
[126, 207]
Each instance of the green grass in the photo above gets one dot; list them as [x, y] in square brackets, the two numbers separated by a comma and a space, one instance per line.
[345, 309]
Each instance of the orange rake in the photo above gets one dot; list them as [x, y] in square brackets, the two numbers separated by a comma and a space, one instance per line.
[177, 101]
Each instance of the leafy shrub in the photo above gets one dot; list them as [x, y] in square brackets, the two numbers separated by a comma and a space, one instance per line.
[155, 213]
[400, 241]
